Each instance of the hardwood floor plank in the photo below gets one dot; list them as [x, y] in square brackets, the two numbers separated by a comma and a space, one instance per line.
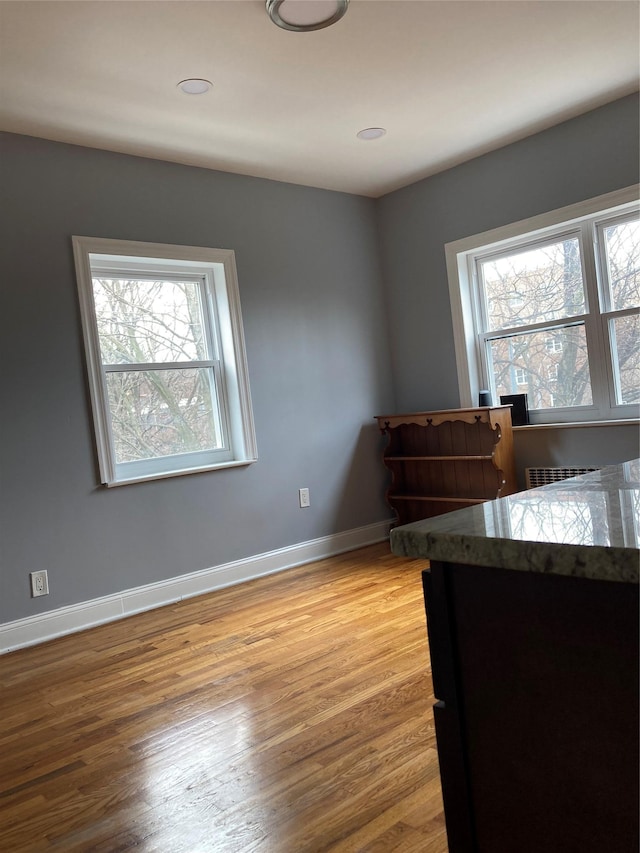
[291, 714]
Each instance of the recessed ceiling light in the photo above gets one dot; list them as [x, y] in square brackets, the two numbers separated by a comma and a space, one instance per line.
[305, 15]
[195, 86]
[371, 133]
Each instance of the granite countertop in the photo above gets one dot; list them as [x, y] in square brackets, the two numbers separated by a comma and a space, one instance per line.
[587, 527]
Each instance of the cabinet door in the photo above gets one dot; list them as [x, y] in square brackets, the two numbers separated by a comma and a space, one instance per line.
[449, 730]
[542, 671]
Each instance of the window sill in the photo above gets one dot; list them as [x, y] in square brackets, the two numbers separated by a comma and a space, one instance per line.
[164, 475]
[580, 424]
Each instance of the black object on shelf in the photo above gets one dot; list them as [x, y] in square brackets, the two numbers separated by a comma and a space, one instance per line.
[519, 408]
[484, 398]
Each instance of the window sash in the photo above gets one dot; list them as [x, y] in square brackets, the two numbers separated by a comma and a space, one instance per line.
[521, 369]
[608, 322]
[216, 390]
[480, 261]
[603, 259]
[210, 319]
[219, 419]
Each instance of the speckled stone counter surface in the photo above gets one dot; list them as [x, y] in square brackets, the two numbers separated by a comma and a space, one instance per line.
[586, 527]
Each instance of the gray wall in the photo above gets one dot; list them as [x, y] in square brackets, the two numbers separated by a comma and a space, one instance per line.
[593, 154]
[316, 336]
[574, 447]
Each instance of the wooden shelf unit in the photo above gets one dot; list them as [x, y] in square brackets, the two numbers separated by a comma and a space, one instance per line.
[446, 460]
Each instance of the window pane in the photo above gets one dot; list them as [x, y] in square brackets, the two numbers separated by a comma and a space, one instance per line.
[533, 286]
[623, 264]
[625, 343]
[162, 412]
[149, 321]
[525, 364]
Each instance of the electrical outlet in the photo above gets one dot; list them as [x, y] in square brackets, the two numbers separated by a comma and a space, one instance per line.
[39, 583]
[305, 500]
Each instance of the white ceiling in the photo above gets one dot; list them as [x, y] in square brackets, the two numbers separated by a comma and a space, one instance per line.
[448, 80]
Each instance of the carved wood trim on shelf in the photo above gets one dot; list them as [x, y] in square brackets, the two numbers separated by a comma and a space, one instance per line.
[433, 468]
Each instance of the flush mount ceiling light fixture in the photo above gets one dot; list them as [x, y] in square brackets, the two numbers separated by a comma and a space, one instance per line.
[371, 133]
[195, 86]
[303, 16]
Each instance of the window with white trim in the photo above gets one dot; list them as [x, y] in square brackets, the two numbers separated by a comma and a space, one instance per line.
[166, 359]
[572, 335]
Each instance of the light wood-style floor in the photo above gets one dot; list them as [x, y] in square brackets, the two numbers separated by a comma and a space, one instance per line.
[291, 714]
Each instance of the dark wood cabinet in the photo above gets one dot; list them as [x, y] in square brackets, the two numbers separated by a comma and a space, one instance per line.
[448, 459]
[537, 719]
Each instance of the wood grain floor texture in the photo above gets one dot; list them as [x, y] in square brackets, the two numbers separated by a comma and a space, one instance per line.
[290, 714]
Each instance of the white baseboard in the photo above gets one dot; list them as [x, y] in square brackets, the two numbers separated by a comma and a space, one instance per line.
[87, 614]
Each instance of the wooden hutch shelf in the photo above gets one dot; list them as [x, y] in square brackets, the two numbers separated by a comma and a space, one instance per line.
[446, 460]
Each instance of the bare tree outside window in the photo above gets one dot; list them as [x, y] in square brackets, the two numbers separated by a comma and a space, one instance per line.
[622, 264]
[527, 287]
[622, 253]
[164, 404]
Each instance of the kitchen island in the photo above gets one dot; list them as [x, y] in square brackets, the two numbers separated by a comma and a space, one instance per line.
[532, 614]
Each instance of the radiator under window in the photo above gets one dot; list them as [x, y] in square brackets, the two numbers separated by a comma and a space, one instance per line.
[543, 476]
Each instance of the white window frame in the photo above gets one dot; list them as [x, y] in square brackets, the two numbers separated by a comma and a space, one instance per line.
[465, 310]
[215, 271]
